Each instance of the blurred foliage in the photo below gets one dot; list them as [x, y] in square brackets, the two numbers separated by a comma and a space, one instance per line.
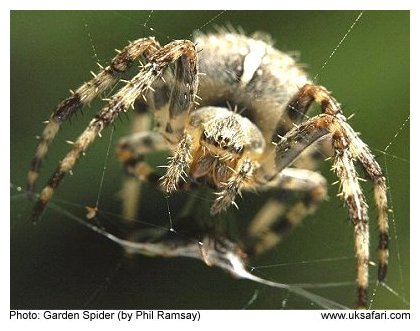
[60, 264]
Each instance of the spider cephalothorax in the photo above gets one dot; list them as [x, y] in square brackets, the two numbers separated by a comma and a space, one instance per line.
[225, 139]
[263, 147]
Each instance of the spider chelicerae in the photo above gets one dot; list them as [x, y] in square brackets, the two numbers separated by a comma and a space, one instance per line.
[270, 144]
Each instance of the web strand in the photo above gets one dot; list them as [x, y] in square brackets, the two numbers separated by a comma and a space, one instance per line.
[338, 45]
[104, 168]
[391, 204]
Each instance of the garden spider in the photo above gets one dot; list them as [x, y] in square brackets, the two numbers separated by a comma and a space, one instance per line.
[269, 145]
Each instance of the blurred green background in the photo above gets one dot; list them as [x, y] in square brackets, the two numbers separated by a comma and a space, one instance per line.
[58, 263]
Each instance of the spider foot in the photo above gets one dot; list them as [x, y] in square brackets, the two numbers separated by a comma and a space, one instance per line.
[178, 164]
[169, 181]
[225, 199]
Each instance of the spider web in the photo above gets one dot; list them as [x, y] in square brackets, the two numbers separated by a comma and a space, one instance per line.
[312, 268]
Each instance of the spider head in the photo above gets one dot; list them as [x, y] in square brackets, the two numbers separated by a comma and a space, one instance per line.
[224, 137]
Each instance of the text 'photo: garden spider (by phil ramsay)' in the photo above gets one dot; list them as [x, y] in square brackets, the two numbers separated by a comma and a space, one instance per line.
[231, 109]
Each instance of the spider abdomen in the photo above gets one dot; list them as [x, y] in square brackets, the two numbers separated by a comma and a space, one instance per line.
[250, 74]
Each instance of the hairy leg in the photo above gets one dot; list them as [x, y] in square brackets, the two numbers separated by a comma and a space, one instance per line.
[298, 194]
[182, 52]
[84, 95]
[348, 148]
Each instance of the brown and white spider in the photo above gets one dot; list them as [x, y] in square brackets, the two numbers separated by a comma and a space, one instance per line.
[269, 145]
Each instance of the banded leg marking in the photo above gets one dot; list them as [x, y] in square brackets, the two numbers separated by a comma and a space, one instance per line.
[348, 147]
[119, 103]
[84, 95]
[300, 191]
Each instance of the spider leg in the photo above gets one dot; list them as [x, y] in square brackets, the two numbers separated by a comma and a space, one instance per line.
[353, 196]
[84, 95]
[348, 147]
[178, 164]
[305, 134]
[171, 109]
[182, 51]
[360, 151]
[130, 191]
[133, 161]
[294, 113]
[172, 123]
[131, 151]
[314, 154]
[299, 192]
[172, 115]
[226, 197]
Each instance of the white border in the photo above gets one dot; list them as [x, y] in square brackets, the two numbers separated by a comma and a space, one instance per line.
[214, 4]
[211, 319]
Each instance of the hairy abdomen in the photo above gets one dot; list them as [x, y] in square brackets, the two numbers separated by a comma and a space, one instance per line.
[248, 74]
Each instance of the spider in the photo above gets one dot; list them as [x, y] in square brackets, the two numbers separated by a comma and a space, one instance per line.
[268, 145]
